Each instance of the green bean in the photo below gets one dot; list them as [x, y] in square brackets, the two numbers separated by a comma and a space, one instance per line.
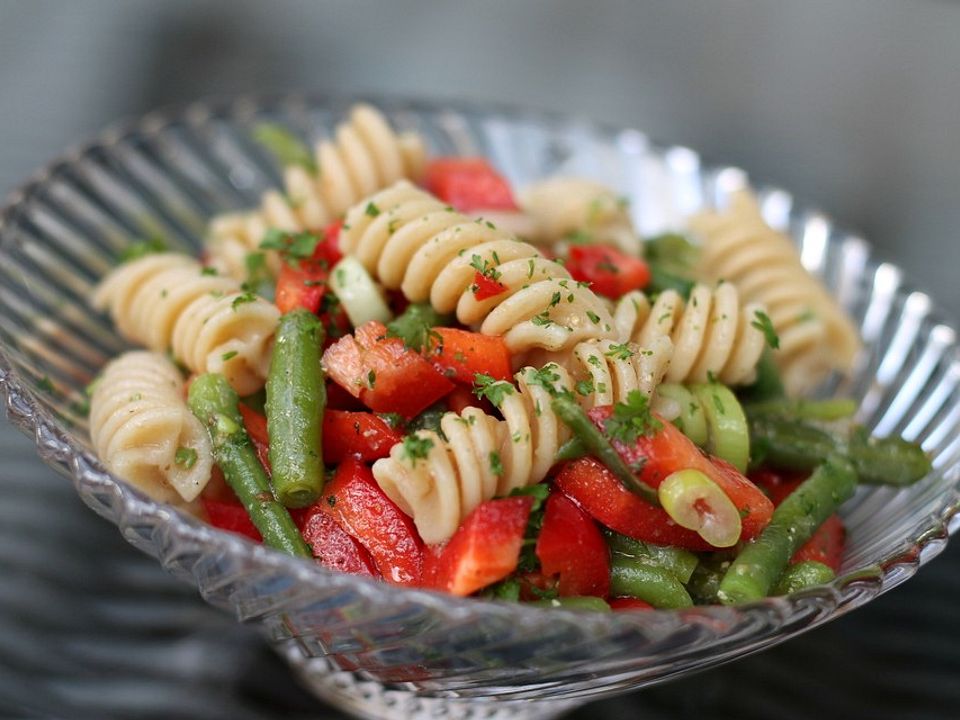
[704, 583]
[296, 395]
[802, 575]
[759, 565]
[641, 578]
[797, 445]
[571, 450]
[576, 419]
[823, 410]
[214, 402]
[679, 562]
[574, 602]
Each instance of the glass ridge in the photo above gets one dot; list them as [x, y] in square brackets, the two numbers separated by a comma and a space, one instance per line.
[375, 649]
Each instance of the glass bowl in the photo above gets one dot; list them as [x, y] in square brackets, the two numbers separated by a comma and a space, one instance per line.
[377, 650]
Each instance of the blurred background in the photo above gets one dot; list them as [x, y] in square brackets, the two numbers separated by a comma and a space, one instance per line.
[854, 105]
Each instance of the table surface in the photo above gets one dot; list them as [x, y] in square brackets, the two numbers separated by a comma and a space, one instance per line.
[850, 103]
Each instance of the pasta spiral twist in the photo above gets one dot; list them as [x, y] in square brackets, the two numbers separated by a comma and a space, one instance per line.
[816, 336]
[565, 205]
[166, 302]
[138, 423]
[411, 241]
[364, 156]
[481, 457]
[712, 335]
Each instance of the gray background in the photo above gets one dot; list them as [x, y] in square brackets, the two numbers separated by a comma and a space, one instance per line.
[852, 104]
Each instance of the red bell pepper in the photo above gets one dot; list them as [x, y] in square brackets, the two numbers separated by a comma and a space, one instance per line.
[333, 546]
[382, 373]
[301, 286]
[460, 355]
[230, 516]
[571, 546]
[485, 548]
[256, 426]
[609, 271]
[357, 503]
[468, 184]
[361, 435]
[669, 450]
[485, 287]
[594, 488]
[328, 249]
[628, 603]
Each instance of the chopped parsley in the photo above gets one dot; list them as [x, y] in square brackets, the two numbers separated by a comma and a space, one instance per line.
[542, 320]
[229, 355]
[763, 323]
[372, 379]
[578, 237]
[546, 377]
[585, 387]
[295, 246]
[185, 457]
[394, 420]
[528, 555]
[487, 387]
[485, 268]
[416, 327]
[496, 464]
[45, 384]
[258, 274]
[416, 448]
[371, 209]
[632, 419]
[619, 352]
[209, 272]
[242, 299]
[285, 146]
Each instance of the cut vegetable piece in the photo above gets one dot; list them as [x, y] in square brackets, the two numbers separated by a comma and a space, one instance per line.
[697, 503]
[333, 546]
[468, 184]
[361, 435]
[727, 434]
[359, 294]
[571, 546]
[610, 272]
[460, 355]
[484, 550]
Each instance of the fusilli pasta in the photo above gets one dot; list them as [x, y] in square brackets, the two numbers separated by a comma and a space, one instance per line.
[713, 335]
[482, 457]
[142, 429]
[815, 334]
[411, 241]
[567, 205]
[167, 302]
[364, 156]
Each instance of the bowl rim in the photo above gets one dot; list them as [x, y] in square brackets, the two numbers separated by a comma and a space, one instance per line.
[55, 446]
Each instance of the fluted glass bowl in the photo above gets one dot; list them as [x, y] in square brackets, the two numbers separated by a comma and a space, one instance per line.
[378, 650]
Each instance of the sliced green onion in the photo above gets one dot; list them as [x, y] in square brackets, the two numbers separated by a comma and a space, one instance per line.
[694, 501]
[728, 436]
[359, 295]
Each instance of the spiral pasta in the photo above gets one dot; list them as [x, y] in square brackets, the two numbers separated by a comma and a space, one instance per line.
[713, 336]
[142, 429]
[364, 156]
[481, 457]
[816, 336]
[167, 302]
[563, 206]
[411, 241]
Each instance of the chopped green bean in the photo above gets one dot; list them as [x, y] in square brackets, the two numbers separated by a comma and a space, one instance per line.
[802, 575]
[823, 410]
[576, 419]
[759, 565]
[214, 402]
[641, 578]
[681, 563]
[296, 395]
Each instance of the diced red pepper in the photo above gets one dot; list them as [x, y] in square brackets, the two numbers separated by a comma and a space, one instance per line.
[301, 286]
[485, 548]
[340, 399]
[460, 355]
[588, 482]
[468, 184]
[382, 373]
[361, 435]
[485, 287]
[328, 249]
[333, 546]
[231, 516]
[669, 450]
[628, 603]
[609, 271]
[357, 503]
[256, 426]
[571, 546]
